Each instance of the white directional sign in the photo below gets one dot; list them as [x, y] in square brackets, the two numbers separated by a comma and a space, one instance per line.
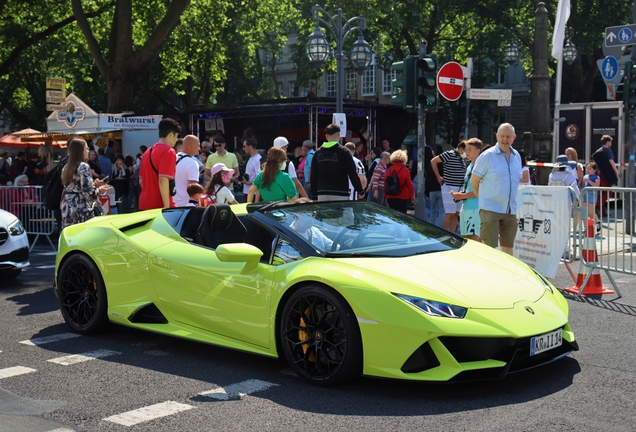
[620, 35]
[489, 94]
[610, 70]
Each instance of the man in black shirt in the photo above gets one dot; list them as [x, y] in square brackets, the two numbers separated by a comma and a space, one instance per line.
[331, 169]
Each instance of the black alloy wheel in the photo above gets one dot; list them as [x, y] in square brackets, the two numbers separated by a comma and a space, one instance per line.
[320, 337]
[81, 294]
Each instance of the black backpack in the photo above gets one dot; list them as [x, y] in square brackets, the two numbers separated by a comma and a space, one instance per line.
[52, 187]
[392, 183]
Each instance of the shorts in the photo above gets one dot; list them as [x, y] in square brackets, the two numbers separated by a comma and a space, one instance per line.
[589, 196]
[498, 228]
[469, 222]
[450, 206]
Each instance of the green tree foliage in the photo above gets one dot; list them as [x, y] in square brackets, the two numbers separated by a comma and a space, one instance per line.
[125, 55]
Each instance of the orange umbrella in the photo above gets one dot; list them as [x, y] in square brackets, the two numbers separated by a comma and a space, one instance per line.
[13, 140]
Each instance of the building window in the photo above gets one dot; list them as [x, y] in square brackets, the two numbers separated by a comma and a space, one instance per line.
[302, 90]
[352, 84]
[280, 88]
[330, 91]
[368, 81]
[387, 79]
[292, 87]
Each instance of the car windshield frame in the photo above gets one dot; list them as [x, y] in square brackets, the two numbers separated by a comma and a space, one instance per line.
[346, 229]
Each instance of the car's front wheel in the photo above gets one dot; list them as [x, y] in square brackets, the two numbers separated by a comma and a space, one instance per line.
[81, 294]
[320, 337]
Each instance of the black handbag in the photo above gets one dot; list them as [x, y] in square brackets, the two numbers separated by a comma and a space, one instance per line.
[97, 209]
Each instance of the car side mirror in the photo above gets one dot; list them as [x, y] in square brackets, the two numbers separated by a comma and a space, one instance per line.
[240, 252]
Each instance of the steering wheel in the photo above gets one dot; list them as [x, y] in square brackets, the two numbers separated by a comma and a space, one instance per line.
[338, 239]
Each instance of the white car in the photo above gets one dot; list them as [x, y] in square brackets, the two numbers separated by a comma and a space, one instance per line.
[14, 246]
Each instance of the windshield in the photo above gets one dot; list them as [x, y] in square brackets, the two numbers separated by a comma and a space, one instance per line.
[354, 229]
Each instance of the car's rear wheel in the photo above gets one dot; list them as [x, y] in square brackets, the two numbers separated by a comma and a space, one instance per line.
[320, 337]
[81, 294]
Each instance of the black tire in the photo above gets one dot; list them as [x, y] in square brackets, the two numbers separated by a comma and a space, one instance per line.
[320, 337]
[81, 295]
[11, 274]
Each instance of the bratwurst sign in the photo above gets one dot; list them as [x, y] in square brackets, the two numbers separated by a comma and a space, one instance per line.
[110, 121]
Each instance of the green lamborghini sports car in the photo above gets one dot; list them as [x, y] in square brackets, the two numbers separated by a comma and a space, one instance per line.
[337, 289]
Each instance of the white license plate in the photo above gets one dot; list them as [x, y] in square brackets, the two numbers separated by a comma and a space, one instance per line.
[545, 342]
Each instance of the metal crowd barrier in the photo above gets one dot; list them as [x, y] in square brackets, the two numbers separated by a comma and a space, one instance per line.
[616, 243]
[26, 203]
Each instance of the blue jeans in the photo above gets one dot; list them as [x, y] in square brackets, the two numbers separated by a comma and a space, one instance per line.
[437, 208]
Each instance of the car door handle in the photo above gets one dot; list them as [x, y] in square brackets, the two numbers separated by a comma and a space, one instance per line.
[159, 263]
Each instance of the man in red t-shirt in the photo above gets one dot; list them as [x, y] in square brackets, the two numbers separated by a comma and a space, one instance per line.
[158, 165]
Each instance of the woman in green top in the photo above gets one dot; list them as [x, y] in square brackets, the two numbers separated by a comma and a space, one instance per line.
[272, 183]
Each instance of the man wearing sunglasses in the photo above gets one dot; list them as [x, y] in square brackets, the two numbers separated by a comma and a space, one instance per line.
[220, 155]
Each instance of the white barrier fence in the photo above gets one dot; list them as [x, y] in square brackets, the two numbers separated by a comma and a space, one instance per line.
[26, 203]
[552, 229]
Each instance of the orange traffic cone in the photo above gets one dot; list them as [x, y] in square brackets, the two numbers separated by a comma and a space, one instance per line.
[591, 283]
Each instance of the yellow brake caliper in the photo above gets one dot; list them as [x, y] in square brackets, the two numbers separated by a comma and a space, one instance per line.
[303, 335]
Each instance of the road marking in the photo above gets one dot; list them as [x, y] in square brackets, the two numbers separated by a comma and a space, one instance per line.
[45, 267]
[238, 390]
[46, 253]
[49, 339]
[79, 358]
[15, 371]
[61, 430]
[148, 413]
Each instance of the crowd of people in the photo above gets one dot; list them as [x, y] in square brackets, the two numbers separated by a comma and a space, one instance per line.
[472, 186]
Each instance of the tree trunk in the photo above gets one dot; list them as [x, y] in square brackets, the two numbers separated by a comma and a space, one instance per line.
[124, 67]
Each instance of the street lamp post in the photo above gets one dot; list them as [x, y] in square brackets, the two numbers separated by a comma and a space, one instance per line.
[318, 47]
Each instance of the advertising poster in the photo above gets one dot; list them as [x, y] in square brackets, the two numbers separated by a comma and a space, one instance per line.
[544, 226]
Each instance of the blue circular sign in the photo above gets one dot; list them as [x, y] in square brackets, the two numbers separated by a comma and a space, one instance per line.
[609, 68]
[625, 35]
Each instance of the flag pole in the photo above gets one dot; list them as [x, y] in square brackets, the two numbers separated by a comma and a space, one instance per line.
[557, 104]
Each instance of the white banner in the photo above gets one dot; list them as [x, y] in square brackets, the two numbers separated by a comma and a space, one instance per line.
[341, 120]
[544, 214]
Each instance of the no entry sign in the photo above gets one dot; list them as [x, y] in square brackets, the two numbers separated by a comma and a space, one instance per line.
[450, 81]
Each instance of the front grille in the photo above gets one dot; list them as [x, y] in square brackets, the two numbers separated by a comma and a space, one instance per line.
[514, 352]
[19, 256]
[4, 236]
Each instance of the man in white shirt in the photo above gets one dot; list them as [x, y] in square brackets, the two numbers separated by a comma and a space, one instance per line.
[353, 195]
[253, 165]
[187, 170]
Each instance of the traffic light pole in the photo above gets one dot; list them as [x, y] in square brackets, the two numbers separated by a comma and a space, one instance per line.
[420, 199]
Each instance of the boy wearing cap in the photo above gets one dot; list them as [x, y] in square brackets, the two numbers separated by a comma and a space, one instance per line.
[563, 174]
[288, 167]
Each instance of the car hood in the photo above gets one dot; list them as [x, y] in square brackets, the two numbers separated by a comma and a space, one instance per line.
[474, 276]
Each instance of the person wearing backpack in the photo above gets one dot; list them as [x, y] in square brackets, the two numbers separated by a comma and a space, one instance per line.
[158, 166]
[217, 190]
[398, 186]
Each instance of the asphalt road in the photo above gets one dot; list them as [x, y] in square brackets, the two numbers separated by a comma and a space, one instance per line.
[591, 390]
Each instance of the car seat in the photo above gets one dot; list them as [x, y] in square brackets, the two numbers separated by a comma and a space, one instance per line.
[219, 226]
[191, 223]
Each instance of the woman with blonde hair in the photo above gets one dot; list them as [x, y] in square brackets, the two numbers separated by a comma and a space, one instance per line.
[272, 183]
[80, 190]
[573, 157]
[398, 198]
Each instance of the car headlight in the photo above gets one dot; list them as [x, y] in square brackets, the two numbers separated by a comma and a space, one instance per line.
[434, 308]
[543, 280]
[16, 228]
